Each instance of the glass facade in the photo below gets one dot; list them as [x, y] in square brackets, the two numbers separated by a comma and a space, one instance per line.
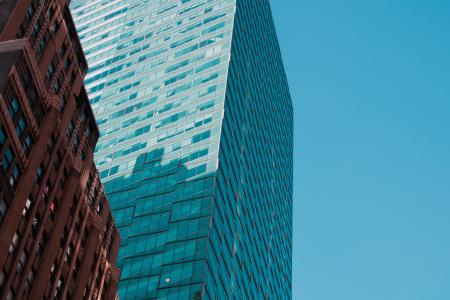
[196, 145]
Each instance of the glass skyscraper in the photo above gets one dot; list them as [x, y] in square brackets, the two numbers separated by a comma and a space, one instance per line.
[195, 153]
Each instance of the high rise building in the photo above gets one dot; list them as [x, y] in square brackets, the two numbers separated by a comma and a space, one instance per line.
[57, 235]
[196, 126]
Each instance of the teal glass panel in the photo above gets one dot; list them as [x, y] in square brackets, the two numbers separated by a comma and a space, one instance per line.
[195, 151]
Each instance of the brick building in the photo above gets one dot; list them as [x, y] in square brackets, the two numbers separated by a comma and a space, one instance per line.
[57, 236]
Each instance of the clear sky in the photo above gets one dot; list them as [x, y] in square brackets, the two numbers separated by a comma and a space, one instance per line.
[370, 81]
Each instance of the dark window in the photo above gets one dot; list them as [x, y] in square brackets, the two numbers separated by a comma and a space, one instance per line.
[76, 143]
[39, 173]
[30, 279]
[57, 86]
[14, 244]
[51, 143]
[2, 136]
[73, 76]
[15, 176]
[54, 27]
[63, 49]
[50, 12]
[27, 207]
[42, 243]
[50, 72]
[67, 63]
[2, 279]
[70, 128]
[22, 261]
[41, 46]
[21, 32]
[46, 192]
[11, 295]
[68, 253]
[30, 10]
[36, 29]
[52, 272]
[35, 224]
[53, 209]
[64, 237]
[18, 118]
[3, 209]
[13, 107]
[59, 288]
[27, 142]
[7, 159]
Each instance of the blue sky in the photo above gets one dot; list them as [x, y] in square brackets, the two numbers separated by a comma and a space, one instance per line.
[370, 81]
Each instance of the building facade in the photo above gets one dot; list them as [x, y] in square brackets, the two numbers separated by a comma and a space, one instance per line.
[57, 235]
[196, 126]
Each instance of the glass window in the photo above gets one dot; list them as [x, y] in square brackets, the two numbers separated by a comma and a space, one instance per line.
[2, 279]
[14, 243]
[30, 279]
[15, 176]
[2, 136]
[22, 261]
[39, 173]
[13, 107]
[50, 72]
[7, 159]
[10, 295]
[3, 209]
[27, 207]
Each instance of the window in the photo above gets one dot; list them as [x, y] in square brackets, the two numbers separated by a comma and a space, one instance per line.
[10, 295]
[65, 99]
[76, 143]
[54, 27]
[59, 287]
[67, 64]
[7, 159]
[2, 279]
[15, 176]
[73, 76]
[27, 207]
[27, 142]
[50, 72]
[41, 46]
[64, 237]
[35, 224]
[3, 209]
[39, 173]
[13, 107]
[57, 86]
[2, 136]
[51, 143]
[42, 243]
[63, 49]
[18, 118]
[76, 269]
[36, 29]
[22, 261]
[46, 192]
[21, 31]
[70, 128]
[14, 244]
[68, 253]
[52, 272]
[50, 12]
[53, 209]
[30, 279]
[21, 125]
